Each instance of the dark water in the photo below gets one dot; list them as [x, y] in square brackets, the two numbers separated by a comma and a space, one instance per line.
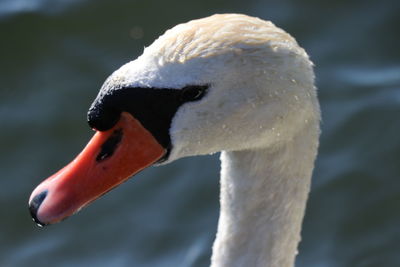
[54, 56]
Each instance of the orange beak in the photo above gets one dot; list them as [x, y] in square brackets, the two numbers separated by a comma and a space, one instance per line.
[108, 160]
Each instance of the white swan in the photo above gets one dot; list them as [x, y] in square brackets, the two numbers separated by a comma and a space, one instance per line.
[229, 83]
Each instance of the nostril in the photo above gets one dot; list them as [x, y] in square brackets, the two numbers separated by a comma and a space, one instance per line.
[34, 205]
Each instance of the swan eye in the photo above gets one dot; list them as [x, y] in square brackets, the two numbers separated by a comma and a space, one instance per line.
[193, 92]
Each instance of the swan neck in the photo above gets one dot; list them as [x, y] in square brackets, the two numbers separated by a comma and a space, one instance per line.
[263, 198]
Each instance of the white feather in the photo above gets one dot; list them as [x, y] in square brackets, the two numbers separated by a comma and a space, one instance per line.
[261, 110]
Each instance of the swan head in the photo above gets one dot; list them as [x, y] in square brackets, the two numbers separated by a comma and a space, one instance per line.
[226, 82]
[251, 84]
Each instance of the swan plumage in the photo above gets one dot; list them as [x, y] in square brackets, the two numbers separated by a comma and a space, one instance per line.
[260, 110]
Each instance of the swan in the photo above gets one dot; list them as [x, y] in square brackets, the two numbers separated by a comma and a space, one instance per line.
[227, 83]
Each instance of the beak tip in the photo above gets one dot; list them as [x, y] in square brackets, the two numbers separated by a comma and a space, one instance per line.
[34, 206]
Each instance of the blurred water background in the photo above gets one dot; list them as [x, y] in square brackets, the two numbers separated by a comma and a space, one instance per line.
[55, 55]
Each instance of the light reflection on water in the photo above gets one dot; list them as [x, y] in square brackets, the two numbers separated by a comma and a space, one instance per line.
[54, 58]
